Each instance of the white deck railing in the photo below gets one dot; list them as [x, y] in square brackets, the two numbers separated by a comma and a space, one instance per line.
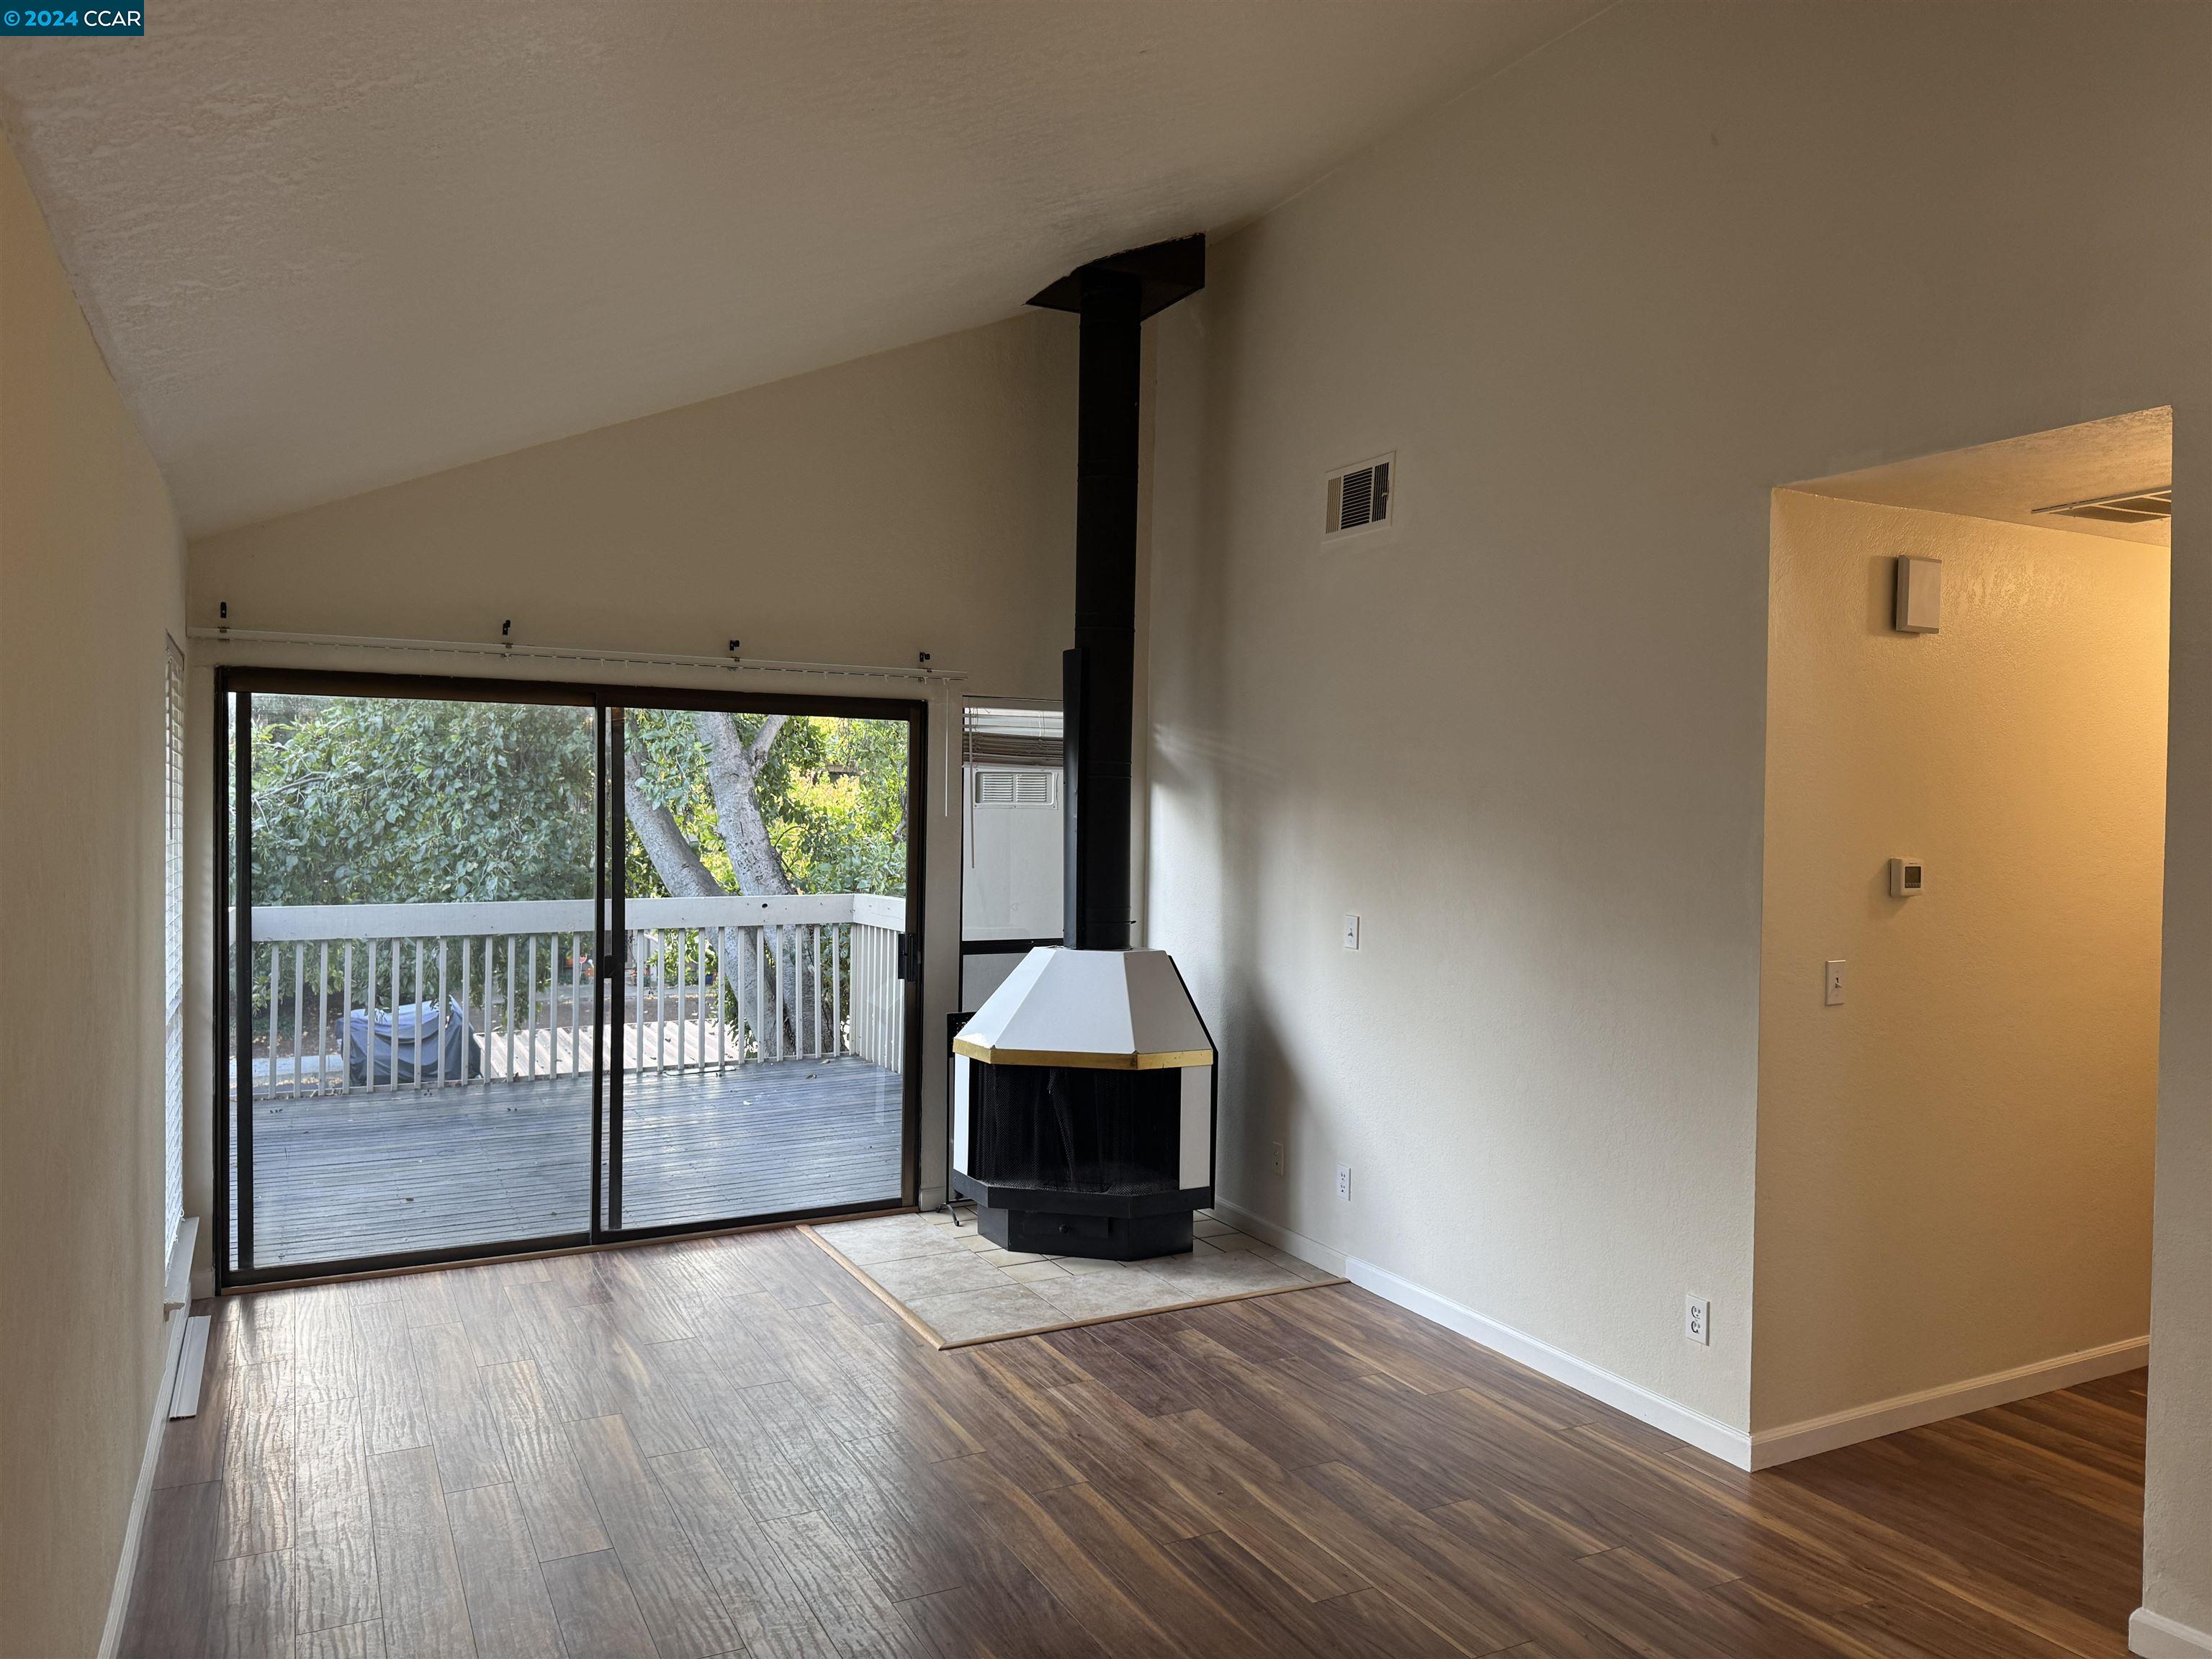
[711, 983]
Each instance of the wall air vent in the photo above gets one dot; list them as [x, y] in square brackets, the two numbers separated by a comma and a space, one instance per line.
[1359, 498]
[1005, 788]
[2136, 507]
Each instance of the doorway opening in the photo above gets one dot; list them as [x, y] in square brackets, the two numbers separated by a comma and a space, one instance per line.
[516, 967]
[1960, 930]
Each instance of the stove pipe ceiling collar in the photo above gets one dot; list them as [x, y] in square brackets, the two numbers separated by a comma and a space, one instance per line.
[1113, 296]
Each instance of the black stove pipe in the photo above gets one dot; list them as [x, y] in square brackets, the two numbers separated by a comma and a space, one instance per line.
[1101, 670]
[1113, 297]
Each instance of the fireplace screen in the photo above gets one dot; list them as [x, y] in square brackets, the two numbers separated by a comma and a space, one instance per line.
[1076, 1129]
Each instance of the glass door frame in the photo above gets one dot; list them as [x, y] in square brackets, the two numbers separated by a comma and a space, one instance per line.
[914, 714]
[234, 956]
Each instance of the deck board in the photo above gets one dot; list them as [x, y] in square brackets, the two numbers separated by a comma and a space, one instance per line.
[342, 1176]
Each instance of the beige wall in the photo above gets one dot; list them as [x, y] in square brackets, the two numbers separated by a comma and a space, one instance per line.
[1954, 1166]
[91, 576]
[1600, 308]
[923, 500]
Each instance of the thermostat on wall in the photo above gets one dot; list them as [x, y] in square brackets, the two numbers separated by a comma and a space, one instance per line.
[1919, 596]
[1906, 877]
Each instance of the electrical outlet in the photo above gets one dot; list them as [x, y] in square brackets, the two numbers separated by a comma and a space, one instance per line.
[1698, 1321]
[1835, 983]
[1282, 1163]
[1350, 932]
[1344, 1181]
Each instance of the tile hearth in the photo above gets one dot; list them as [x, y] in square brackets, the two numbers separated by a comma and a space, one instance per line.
[959, 1288]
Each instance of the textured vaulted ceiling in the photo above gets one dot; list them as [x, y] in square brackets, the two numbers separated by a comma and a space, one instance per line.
[329, 247]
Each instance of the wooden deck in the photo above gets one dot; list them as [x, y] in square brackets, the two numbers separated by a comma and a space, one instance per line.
[347, 1175]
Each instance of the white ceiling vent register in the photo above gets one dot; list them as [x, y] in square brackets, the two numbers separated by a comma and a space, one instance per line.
[1003, 787]
[2134, 506]
[1359, 498]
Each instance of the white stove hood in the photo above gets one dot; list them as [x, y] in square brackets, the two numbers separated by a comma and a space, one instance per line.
[1114, 1009]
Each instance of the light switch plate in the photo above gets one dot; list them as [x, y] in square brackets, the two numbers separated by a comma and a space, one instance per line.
[1835, 983]
[1350, 932]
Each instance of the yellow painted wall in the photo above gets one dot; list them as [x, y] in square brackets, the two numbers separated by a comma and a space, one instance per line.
[91, 574]
[1954, 1166]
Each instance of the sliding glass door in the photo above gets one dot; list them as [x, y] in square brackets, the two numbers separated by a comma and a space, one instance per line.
[480, 997]
[763, 912]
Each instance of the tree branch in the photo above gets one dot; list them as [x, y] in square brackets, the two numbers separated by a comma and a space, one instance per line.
[763, 740]
[732, 770]
[665, 843]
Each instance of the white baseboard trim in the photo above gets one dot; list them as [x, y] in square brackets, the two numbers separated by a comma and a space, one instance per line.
[126, 1567]
[1708, 1434]
[2154, 1636]
[1819, 1434]
[1731, 1445]
[1310, 1251]
[1746, 1451]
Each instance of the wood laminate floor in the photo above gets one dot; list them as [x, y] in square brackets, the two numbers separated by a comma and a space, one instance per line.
[729, 1446]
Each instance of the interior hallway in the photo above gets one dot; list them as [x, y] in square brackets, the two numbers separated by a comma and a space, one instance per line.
[728, 1446]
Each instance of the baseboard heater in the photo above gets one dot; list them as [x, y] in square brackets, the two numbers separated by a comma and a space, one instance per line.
[191, 1366]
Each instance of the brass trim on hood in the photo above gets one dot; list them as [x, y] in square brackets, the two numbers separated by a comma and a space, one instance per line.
[1093, 1061]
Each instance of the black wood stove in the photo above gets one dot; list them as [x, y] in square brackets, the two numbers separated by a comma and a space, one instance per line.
[1083, 1107]
[1083, 1110]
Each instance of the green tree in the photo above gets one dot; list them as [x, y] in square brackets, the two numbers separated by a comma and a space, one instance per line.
[360, 800]
[765, 804]
[390, 800]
